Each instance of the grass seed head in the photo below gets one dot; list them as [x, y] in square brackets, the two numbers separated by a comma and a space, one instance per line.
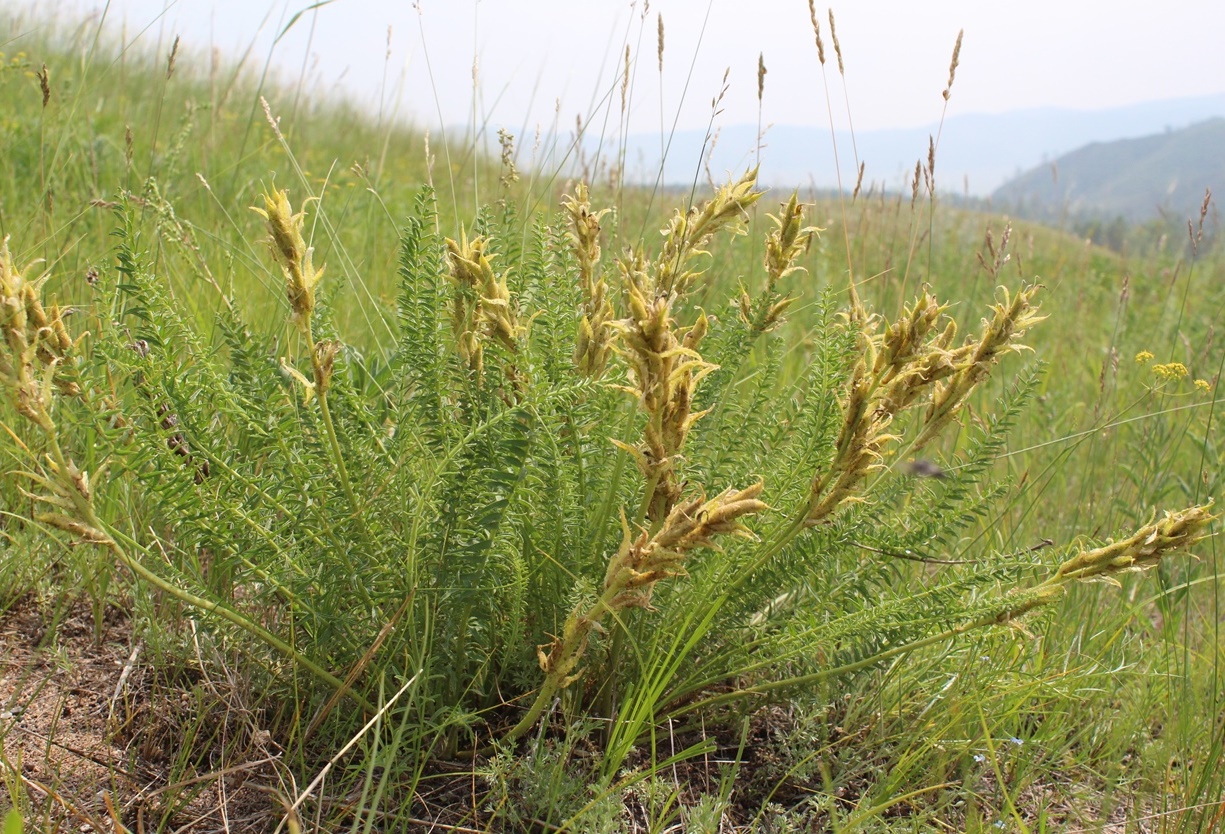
[953, 64]
[833, 34]
[659, 46]
[816, 31]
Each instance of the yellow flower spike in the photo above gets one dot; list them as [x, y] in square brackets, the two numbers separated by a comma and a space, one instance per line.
[1203, 385]
[595, 332]
[1143, 549]
[1142, 357]
[686, 234]
[291, 252]
[790, 239]
[482, 299]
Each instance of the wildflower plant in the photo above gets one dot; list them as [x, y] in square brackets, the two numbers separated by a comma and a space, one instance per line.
[485, 517]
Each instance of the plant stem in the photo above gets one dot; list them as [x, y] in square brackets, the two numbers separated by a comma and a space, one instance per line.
[338, 461]
[565, 657]
[321, 386]
[607, 703]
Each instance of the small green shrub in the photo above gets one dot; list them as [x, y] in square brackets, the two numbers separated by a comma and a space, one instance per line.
[565, 486]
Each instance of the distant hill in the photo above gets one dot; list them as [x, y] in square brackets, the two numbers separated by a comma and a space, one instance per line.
[1136, 179]
[978, 152]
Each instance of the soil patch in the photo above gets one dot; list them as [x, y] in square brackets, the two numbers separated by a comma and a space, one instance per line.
[93, 739]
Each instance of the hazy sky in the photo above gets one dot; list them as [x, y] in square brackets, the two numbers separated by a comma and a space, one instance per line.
[531, 54]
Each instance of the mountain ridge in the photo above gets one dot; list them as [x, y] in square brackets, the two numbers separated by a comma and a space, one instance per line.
[1136, 179]
[977, 154]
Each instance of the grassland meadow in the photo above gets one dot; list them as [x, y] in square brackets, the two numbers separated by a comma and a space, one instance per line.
[358, 478]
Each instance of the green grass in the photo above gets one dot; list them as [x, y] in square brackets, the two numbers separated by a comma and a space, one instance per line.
[1109, 704]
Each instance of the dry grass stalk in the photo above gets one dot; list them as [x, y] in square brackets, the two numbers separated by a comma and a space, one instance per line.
[659, 45]
[816, 31]
[833, 34]
[595, 333]
[510, 174]
[170, 61]
[625, 81]
[44, 84]
[858, 181]
[948, 88]
[1196, 232]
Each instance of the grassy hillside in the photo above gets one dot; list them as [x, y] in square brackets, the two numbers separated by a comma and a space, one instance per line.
[467, 503]
[1136, 179]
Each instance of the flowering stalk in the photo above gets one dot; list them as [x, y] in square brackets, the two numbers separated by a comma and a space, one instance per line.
[1013, 315]
[665, 368]
[664, 362]
[688, 233]
[639, 564]
[301, 277]
[481, 308]
[1144, 549]
[911, 357]
[784, 245]
[595, 333]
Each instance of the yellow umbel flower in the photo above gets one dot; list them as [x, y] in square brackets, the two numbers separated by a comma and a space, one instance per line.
[1171, 370]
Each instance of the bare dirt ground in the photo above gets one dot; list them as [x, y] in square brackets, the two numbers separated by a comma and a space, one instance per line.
[86, 747]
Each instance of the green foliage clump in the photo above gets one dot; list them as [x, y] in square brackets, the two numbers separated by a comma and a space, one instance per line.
[547, 495]
[487, 441]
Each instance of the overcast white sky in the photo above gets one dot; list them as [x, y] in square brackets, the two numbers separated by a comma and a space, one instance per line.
[532, 54]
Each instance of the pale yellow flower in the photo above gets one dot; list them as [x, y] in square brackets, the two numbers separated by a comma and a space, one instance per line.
[1171, 370]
